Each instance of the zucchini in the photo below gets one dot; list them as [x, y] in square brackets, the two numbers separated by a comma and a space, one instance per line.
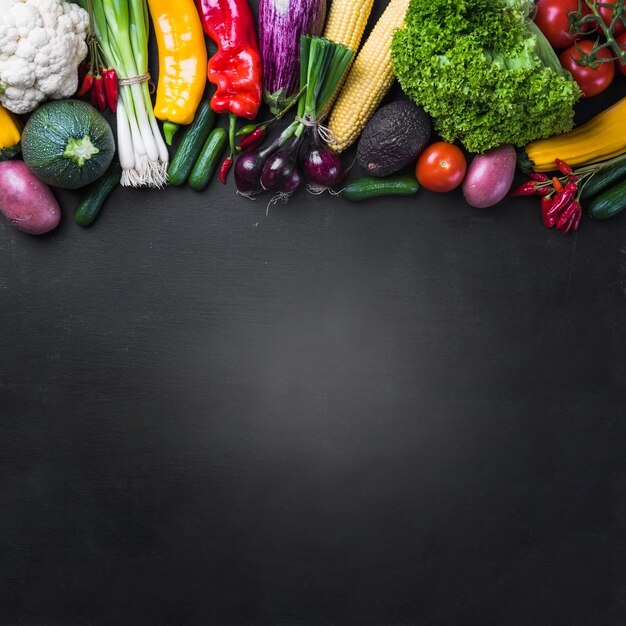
[609, 203]
[603, 179]
[207, 161]
[191, 144]
[370, 187]
[88, 207]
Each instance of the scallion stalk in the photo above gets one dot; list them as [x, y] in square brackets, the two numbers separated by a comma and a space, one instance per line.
[122, 29]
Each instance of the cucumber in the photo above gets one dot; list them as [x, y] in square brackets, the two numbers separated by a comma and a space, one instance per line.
[207, 161]
[88, 207]
[191, 144]
[370, 187]
[609, 203]
[603, 179]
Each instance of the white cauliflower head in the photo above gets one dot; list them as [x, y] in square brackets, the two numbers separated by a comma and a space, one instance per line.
[42, 42]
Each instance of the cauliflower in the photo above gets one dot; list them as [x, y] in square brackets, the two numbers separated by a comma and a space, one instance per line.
[42, 43]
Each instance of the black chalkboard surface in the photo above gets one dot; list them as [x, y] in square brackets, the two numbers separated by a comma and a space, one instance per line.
[400, 412]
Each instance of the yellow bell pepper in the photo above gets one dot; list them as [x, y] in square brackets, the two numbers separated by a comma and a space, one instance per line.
[10, 134]
[182, 62]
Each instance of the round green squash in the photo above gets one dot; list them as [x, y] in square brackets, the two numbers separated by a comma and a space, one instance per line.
[67, 143]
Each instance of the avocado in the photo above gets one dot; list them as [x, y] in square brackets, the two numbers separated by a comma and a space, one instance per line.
[393, 138]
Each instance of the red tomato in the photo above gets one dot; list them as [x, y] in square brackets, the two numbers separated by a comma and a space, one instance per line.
[606, 13]
[592, 79]
[441, 167]
[552, 18]
[621, 40]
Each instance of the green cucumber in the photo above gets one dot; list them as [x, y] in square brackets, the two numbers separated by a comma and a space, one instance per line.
[191, 144]
[370, 187]
[88, 207]
[609, 203]
[207, 161]
[603, 179]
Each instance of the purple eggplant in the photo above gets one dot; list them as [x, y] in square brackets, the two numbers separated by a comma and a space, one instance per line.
[281, 22]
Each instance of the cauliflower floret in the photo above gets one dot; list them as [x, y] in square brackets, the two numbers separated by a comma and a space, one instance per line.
[42, 42]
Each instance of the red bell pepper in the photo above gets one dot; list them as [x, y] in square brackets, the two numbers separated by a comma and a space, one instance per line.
[236, 66]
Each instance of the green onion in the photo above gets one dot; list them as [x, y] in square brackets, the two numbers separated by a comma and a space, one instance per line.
[122, 28]
[322, 65]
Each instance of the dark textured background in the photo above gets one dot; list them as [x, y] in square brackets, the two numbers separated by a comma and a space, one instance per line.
[400, 412]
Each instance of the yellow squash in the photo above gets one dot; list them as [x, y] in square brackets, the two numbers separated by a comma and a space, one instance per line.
[10, 134]
[182, 62]
[602, 137]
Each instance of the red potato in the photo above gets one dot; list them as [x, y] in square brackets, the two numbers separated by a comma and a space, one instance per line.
[490, 176]
[26, 202]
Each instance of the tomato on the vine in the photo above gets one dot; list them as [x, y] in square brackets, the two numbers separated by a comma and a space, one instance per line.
[441, 167]
[606, 13]
[594, 78]
[553, 20]
[621, 40]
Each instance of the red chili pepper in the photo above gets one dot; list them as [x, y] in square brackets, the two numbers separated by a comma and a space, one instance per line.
[546, 204]
[110, 88]
[525, 189]
[562, 200]
[574, 179]
[566, 214]
[225, 168]
[98, 97]
[252, 138]
[87, 84]
[236, 66]
[564, 168]
[578, 215]
[556, 183]
[538, 176]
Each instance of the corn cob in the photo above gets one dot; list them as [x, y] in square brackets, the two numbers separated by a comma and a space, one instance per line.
[368, 80]
[347, 20]
[346, 24]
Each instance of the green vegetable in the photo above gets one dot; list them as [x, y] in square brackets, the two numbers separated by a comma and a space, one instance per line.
[207, 161]
[191, 144]
[483, 71]
[370, 187]
[88, 207]
[603, 179]
[609, 203]
[122, 28]
[67, 143]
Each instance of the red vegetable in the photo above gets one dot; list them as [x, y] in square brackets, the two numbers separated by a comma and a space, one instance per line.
[236, 66]
[87, 84]
[562, 199]
[253, 139]
[553, 20]
[98, 97]
[441, 167]
[110, 88]
[525, 189]
[564, 168]
[546, 205]
[225, 168]
[592, 76]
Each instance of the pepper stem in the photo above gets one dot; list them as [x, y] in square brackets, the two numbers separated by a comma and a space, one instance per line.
[232, 123]
[169, 130]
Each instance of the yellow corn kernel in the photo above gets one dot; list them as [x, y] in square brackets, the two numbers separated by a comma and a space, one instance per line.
[347, 20]
[368, 80]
